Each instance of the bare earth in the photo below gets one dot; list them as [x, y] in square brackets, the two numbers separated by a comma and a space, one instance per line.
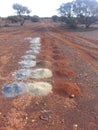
[73, 103]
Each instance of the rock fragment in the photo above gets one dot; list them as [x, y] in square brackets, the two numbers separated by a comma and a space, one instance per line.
[44, 116]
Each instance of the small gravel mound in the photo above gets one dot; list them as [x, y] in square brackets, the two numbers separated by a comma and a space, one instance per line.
[35, 47]
[41, 73]
[39, 88]
[27, 63]
[22, 74]
[32, 52]
[14, 89]
[28, 57]
[35, 40]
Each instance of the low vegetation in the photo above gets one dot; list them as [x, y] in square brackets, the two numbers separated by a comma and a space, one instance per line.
[72, 14]
[35, 18]
[79, 12]
[20, 11]
[55, 18]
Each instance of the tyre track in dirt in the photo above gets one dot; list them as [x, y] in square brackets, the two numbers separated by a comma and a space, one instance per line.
[86, 76]
[87, 49]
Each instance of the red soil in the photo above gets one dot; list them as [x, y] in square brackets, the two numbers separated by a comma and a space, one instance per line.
[65, 89]
[61, 63]
[75, 71]
[63, 72]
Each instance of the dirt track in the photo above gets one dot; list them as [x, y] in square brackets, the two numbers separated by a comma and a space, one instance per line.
[74, 63]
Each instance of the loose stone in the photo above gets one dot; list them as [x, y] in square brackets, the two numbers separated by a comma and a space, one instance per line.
[72, 96]
[32, 52]
[44, 116]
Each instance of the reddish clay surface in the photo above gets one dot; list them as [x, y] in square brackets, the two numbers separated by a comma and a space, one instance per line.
[74, 63]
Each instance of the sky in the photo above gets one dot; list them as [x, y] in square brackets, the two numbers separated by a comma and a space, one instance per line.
[42, 8]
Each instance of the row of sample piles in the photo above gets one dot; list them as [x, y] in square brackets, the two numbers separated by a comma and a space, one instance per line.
[36, 86]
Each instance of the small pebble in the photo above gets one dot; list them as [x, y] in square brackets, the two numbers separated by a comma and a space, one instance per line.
[75, 127]
[33, 120]
[72, 96]
[44, 116]
[26, 118]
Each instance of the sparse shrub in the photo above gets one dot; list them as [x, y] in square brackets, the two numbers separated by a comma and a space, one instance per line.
[55, 18]
[14, 19]
[71, 22]
[35, 18]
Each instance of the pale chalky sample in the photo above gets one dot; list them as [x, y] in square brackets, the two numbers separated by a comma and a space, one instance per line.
[35, 40]
[35, 48]
[39, 88]
[22, 74]
[27, 63]
[40, 73]
[34, 52]
[28, 57]
[14, 89]
[27, 73]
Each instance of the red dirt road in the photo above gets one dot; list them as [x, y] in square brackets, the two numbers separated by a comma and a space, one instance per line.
[74, 63]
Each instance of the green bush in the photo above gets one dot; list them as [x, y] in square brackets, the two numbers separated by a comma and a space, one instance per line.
[14, 19]
[55, 18]
[71, 22]
[35, 18]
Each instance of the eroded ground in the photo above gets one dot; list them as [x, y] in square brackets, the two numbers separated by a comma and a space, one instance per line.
[73, 60]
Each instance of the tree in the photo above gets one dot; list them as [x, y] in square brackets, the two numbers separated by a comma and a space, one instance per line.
[66, 10]
[21, 10]
[79, 10]
[86, 11]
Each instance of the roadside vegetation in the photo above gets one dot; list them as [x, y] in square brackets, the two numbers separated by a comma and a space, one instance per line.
[20, 11]
[79, 12]
[35, 18]
[71, 14]
[22, 14]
